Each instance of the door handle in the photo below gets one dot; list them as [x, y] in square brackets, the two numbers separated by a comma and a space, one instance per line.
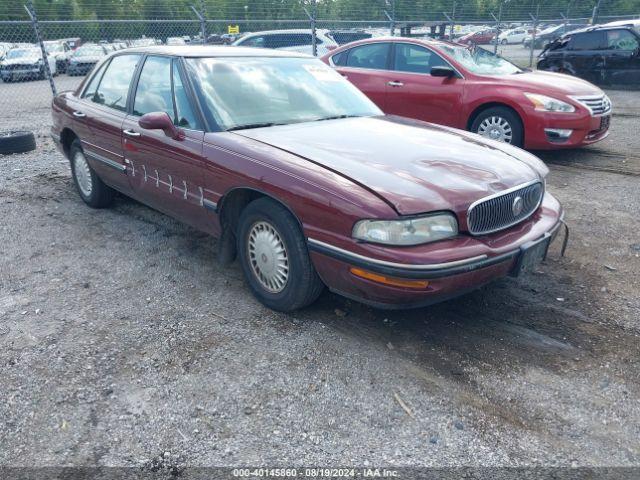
[395, 84]
[345, 75]
[79, 114]
[131, 133]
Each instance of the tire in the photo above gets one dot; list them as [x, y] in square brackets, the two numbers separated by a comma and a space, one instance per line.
[496, 115]
[16, 142]
[504, 41]
[93, 191]
[265, 222]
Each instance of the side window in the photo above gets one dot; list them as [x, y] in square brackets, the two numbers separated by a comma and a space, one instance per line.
[90, 91]
[416, 59]
[114, 86]
[372, 56]
[587, 41]
[185, 116]
[258, 42]
[622, 40]
[340, 59]
[154, 87]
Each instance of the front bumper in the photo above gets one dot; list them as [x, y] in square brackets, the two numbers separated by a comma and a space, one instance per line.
[490, 257]
[585, 129]
[19, 73]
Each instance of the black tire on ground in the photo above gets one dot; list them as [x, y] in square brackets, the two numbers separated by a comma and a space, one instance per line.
[512, 118]
[303, 285]
[504, 41]
[99, 195]
[16, 142]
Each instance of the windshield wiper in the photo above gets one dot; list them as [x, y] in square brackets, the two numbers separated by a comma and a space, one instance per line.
[335, 117]
[247, 126]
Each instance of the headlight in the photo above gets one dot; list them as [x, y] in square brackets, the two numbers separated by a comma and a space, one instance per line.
[413, 231]
[548, 104]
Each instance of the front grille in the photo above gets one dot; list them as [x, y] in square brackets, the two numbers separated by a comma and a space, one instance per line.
[596, 104]
[497, 212]
[29, 66]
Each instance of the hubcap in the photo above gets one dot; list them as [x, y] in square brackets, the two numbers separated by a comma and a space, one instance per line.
[83, 174]
[496, 128]
[268, 257]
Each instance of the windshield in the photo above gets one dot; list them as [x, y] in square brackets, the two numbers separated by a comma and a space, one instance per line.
[53, 47]
[25, 52]
[89, 51]
[480, 61]
[261, 91]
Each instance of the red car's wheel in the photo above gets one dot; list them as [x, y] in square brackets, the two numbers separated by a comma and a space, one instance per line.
[501, 124]
[93, 191]
[274, 257]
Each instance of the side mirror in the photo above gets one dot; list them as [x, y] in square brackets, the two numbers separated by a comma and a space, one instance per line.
[161, 121]
[447, 72]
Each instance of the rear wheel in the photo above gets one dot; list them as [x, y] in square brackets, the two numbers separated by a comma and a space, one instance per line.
[501, 124]
[274, 257]
[93, 191]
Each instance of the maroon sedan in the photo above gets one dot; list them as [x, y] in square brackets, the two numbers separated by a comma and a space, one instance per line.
[303, 177]
[475, 90]
[481, 37]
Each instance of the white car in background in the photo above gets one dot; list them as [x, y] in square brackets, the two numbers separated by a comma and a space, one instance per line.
[298, 40]
[25, 64]
[515, 35]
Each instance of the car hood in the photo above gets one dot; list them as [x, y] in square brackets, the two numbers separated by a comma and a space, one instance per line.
[414, 166]
[549, 83]
[86, 59]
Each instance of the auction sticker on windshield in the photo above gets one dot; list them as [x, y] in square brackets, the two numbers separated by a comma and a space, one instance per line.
[324, 74]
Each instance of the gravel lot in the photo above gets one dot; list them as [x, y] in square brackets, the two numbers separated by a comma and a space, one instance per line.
[124, 343]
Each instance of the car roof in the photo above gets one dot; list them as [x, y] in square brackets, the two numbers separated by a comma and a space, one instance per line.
[291, 30]
[598, 28]
[213, 51]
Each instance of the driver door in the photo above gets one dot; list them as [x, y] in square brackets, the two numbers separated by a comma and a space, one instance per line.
[412, 91]
[166, 173]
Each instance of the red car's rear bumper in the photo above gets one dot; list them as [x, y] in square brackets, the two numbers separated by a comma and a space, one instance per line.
[585, 129]
[487, 258]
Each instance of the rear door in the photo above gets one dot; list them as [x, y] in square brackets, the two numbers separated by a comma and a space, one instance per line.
[166, 173]
[366, 66]
[101, 113]
[584, 55]
[412, 91]
[622, 58]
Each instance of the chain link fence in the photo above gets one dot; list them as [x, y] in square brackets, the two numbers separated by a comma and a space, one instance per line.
[45, 49]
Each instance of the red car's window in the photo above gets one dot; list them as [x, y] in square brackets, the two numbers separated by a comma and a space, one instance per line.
[185, 116]
[416, 59]
[372, 56]
[114, 86]
[91, 89]
[154, 87]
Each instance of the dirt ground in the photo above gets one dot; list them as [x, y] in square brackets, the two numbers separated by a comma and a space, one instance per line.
[124, 343]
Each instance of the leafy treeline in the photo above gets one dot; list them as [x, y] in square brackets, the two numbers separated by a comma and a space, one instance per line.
[294, 9]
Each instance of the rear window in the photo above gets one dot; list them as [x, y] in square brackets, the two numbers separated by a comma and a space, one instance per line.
[587, 41]
[114, 86]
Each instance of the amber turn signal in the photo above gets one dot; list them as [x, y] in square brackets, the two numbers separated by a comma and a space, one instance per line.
[395, 282]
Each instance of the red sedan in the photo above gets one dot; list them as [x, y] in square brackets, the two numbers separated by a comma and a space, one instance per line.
[472, 89]
[304, 178]
[482, 37]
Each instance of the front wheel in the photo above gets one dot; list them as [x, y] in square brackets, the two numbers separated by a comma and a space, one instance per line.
[501, 124]
[274, 257]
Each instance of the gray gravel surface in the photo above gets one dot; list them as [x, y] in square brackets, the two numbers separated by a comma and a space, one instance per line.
[123, 341]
